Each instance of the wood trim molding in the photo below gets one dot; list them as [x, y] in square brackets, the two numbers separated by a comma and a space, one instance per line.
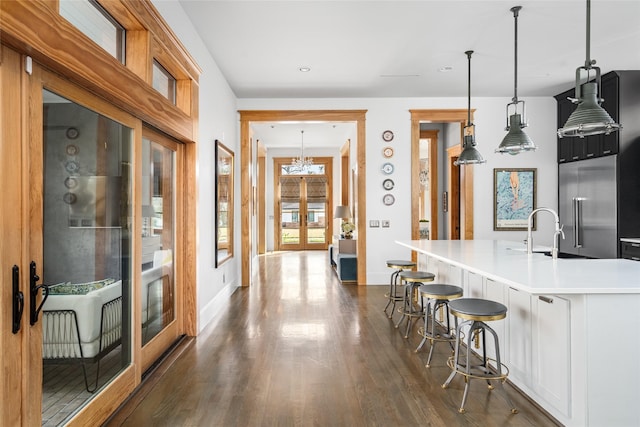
[35, 28]
[246, 165]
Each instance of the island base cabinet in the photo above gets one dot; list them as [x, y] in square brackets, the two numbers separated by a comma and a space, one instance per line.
[518, 345]
[551, 358]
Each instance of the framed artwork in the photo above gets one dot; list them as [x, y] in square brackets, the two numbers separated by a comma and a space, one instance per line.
[514, 198]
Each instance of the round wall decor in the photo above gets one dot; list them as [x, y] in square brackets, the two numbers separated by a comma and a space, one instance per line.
[387, 152]
[388, 184]
[387, 168]
[387, 136]
[388, 199]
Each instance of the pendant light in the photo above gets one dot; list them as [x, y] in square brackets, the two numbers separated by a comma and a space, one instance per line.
[589, 118]
[301, 163]
[469, 154]
[516, 141]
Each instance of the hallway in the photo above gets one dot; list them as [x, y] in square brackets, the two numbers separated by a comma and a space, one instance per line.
[297, 348]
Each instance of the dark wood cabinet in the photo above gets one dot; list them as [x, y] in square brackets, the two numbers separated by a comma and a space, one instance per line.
[630, 250]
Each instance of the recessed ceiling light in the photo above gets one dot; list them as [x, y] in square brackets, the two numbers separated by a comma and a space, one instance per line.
[445, 69]
[304, 69]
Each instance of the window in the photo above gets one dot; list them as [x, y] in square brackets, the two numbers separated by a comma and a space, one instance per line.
[164, 82]
[90, 18]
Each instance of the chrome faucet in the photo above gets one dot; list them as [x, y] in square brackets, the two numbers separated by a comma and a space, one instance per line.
[554, 250]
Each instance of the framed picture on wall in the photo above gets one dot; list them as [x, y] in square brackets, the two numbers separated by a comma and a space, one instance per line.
[514, 198]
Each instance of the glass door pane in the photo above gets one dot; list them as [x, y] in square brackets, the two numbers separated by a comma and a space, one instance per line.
[158, 207]
[87, 218]
[316, 209]
[290, 214]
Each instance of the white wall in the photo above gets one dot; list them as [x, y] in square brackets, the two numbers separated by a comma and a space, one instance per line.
[218, 120]
[490, 120]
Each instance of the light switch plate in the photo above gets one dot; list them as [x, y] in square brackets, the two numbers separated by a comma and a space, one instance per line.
[385, 223]
[374, 223]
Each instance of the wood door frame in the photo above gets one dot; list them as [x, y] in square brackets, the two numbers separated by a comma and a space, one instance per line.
[453, 192]
[247, 150]
[159, 344]
[277, 163]
[440, 116]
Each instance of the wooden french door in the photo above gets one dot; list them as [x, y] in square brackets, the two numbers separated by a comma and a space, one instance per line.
[303, 205]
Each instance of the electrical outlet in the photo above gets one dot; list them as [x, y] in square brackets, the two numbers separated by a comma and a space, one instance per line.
[385, 223]
[374, 223]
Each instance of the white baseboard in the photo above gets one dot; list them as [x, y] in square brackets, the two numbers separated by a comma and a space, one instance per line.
[211, 312]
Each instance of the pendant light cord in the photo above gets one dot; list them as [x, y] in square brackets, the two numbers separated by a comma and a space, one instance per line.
[515, 11]
[469, 52]
[588, 63]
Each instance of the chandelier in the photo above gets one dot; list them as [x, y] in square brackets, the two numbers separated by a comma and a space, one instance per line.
[301, 163]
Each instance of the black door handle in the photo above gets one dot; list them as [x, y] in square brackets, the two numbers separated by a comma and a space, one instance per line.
[33, 280]
[17, 300]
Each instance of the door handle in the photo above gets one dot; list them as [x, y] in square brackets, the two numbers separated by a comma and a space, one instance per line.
[576, 222]
[17, 300]
[34, 289]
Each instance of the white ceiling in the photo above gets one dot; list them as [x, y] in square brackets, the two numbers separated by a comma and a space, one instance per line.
[360, 49]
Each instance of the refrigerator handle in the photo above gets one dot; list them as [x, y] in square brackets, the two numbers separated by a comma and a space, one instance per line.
[574, 209]
[577, 214]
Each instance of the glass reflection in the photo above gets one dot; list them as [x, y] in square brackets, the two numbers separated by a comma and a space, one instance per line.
[86, 254]
[158, 205]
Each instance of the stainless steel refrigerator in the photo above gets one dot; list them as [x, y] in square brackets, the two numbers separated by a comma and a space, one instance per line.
[588, 207]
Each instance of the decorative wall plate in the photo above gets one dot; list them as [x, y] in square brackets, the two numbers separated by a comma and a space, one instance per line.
[388, 199]
[387, 168]
[71, 166]
[72, 133]
[387, 136]
[387, 152]
[69, 198]
[72, 150]
[388, 184]
[71, 182]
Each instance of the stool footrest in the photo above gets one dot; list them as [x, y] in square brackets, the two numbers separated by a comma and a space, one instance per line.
[479, 371]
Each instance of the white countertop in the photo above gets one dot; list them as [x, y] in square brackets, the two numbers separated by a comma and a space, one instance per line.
[509, 263]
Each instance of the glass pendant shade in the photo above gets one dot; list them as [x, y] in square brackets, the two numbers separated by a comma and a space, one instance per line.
[589, 118]
[469, 155]
[515, 141]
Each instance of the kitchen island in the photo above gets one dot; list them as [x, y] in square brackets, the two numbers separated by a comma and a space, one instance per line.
[571, 338]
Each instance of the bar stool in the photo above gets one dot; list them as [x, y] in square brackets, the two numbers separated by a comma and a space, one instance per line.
[475, 312]
[437, 296]
[413, 280]
[394, 294]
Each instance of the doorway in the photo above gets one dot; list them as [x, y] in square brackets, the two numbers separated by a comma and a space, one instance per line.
[248, 154]
[465, 186]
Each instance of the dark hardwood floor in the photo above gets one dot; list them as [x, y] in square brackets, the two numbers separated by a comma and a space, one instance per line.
[298, 348]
